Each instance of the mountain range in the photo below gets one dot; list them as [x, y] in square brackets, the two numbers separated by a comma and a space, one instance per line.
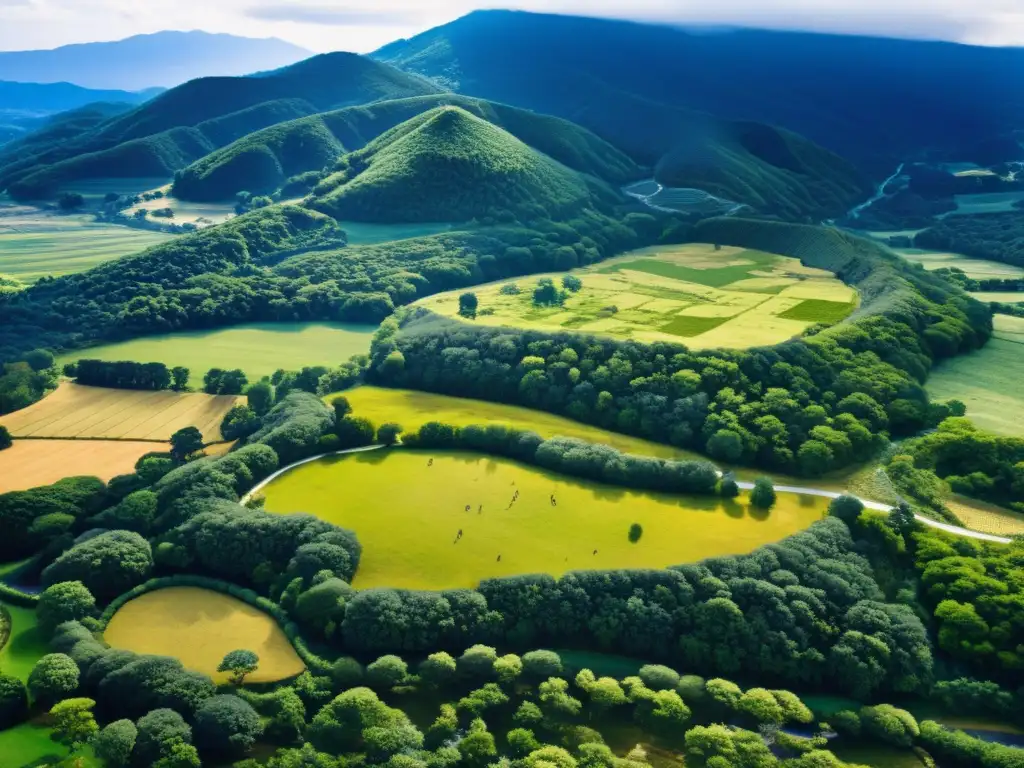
[793, 126]
[163, 59]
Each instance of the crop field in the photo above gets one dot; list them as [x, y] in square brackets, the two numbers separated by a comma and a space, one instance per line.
[185, 211]
[258, 349]
[35, 243]
[691, 294]
[988, 380]
[76, 411]
[987, 518]
[31, 463]
[412, 409]
[25, 646]
[409, 530]
[986, 202]
[1004, 297]
[199, 627]
[976, 268]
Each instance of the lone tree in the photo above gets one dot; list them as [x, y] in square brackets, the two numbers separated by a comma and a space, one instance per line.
[180, 375]
[388, 433]
[763, 495]
[635, 532]
[70, 201]
[468, 304]
[239, 664]
[5, 439]
[185, 442]
[342, 408]
[73, 722]
[572, 283]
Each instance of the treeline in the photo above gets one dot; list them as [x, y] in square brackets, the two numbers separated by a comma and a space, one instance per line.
[961, 278]
[806, 406]
[26, 380]
[572, 457]
[125, 374]
[246, 270]
[993, 236]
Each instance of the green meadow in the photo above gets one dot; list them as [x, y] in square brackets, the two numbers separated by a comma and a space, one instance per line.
[988, 380]
[365, 233]
[30, 744]
[410, 529]
[258, 349]
[25, 646]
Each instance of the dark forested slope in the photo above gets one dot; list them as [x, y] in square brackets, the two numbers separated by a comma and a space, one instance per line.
[321, 83]
[873, 100]
[262, 161]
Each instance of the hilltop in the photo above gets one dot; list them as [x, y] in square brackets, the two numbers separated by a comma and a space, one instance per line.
[447, 165]
[162, 59]
[187, 122]
[874, 101]
[263, 161]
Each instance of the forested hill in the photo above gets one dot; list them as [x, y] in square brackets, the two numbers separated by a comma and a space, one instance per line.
[265, 160]
[190, 121]
[871, 100]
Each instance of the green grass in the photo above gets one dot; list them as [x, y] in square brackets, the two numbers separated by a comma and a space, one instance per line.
[363, 233]
[258, 349]
[819, 311]
[715, 278]
[988, 380]
[30, 744]
[875, 755]
[409, 529]
[35, 244]
[25, 646]
[692, 326]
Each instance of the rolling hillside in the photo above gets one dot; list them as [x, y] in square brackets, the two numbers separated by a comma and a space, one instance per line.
[163, 59]
[191, 120]
[875, 101]
[262, 161]
[447, 165]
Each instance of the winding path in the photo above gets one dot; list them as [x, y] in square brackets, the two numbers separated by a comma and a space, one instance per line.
[875, 505]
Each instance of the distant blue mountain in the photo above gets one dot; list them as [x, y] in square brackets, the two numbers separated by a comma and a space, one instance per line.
[47, 98]
[163, 59]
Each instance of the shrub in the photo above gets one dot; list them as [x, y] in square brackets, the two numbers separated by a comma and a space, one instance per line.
[114, 744]
[13, 701]
[54, 677]
[107, 564]
[387, 672]
[763, 494]
[659, 678]
[226, 726]
[64, 601]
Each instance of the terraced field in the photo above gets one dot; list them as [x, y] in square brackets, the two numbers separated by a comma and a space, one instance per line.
[979, 269]
[200, 627]
[694, 294]
[76, 411]
[31, 463]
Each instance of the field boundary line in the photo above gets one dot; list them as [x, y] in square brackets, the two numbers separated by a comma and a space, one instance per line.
[873, 505]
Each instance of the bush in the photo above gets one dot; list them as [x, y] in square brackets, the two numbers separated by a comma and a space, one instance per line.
[114, 744]
[889, 724]
[659, 678]
[107, 564]
[5, 438]
[226, 726]
[387, 672]
[763, 494]
[64, 601]
[54, 677]
[13, 701]
[540, 665]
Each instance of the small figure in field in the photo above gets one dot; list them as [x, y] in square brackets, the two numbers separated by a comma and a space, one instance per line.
[430, 462]
[468, 507]
[499, 558]
[554, 503]
[480, 509]
[460, 533]
[595, 551]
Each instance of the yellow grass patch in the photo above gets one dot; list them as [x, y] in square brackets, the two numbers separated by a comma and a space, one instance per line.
[987, 518]
[1004, 297]
[83, 412]
[760, 284]
[199, 627]
[31, 463]
[825, 289]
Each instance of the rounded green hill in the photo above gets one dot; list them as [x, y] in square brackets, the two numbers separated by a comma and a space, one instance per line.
[448, 165]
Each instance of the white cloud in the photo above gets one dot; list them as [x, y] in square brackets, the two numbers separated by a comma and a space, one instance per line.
[363, 25]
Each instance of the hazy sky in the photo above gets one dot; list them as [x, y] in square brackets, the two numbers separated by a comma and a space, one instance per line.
[362, 25]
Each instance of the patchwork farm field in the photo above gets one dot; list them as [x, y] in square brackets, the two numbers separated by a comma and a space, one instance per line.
[36, 243]
[258, 349]
[32, 463]
[988, 380]
[409, 530]
[976, 268]
[76, 411]
[692, 294]
[199, 627]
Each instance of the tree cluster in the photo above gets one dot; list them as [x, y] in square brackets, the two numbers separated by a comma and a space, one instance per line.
[123, 375]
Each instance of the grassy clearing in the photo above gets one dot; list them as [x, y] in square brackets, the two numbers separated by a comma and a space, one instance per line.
[199, 627]
[413, 409]
[987, 518]
[25, 646]
[31, 744]
[31, 463]
[408, 529]
[75, 411]
[258, 349]
[363, 233]
[988, 380]
[35, 243]
[976, 268]
[986, 202]
[1003, 297]
[711, 298]
[819, 311]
